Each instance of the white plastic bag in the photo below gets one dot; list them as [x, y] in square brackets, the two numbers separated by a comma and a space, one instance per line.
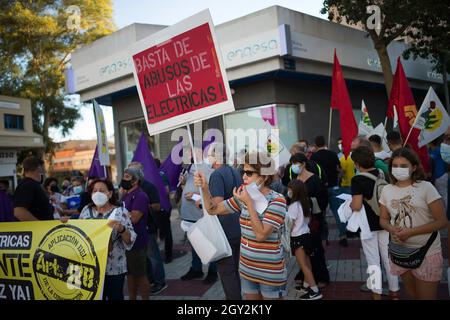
[208, 239]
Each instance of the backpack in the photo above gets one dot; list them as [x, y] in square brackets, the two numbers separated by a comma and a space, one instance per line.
[380, 183]
[315, 168]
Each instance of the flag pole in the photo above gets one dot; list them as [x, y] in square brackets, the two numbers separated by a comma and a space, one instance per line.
[329, 128]
[385, 130]
[407, 137]
[195, 163]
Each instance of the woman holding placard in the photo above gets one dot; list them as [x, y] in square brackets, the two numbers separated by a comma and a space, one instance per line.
[262, 265]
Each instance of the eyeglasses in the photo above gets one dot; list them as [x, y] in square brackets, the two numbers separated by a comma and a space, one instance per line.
[249, 173]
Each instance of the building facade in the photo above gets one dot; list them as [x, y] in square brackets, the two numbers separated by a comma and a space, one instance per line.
[279, 65]
[16, 134]
[74, 157]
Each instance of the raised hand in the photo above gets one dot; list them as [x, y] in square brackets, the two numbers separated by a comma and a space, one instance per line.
[200, 180]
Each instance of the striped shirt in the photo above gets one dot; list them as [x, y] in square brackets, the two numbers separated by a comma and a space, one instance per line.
[262, 262]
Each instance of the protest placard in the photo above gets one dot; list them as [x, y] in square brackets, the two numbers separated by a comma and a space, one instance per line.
[180, 76]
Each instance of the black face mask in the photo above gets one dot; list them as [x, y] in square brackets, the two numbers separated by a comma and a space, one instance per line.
[54, 189]
[126, 184]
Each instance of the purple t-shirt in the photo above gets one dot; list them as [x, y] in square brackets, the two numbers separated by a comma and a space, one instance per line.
[138, 200]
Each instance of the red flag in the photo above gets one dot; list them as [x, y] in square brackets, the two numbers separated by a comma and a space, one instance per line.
[340, 100]
[392, 98]
[402, 98]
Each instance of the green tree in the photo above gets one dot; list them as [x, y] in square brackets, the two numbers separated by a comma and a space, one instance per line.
[396, 18]
[36, 40]
[430, 39]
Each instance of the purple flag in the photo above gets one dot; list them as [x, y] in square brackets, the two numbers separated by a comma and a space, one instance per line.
[96, 170]
[173, 170]
[206, 143]
[143, 155]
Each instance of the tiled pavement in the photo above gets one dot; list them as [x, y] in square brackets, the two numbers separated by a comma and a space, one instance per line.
[346, 266]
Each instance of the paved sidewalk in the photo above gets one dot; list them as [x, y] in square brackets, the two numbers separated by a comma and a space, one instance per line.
[347, 268]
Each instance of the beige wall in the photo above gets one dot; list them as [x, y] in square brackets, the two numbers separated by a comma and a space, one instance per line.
[82, 160]
[18, 138]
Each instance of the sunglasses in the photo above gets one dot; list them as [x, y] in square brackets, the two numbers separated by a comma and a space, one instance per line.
[249, 173]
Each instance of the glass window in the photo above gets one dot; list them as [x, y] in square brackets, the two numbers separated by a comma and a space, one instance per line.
[279, 116]
[13, 121]
[131, 132]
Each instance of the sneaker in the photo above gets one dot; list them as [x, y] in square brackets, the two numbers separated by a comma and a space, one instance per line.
[301, 290]
[192, 274]
[343, 242]
[210, 278]
[157, 288]
[311, 295]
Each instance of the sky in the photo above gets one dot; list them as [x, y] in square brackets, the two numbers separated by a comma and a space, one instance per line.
[167, 12]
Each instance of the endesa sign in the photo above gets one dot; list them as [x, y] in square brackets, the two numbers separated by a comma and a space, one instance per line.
[180, 76]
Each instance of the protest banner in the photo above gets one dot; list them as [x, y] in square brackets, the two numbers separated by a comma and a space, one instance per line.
[49, 260]
[180, 76]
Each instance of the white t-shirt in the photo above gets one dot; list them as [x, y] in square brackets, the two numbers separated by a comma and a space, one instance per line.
[55, 200]
[408, 208]
[383, 154]
[300, 226]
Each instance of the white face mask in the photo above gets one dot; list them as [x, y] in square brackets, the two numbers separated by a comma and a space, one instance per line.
[99, 199]
[401, 174]
[255, 185]
[289, 194]
[445, 152]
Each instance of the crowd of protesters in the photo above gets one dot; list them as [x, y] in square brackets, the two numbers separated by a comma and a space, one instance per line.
[393, 206]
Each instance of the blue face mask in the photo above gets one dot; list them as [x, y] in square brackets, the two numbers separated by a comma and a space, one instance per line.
[77, 189]
[445, 152]
[296, 168]
[208, 163]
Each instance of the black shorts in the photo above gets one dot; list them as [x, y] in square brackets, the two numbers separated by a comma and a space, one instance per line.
[303, 241]
[137, 262]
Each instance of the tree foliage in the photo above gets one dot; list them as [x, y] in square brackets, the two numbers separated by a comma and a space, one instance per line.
[36, 40]
[430, 37]
[397, 18]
